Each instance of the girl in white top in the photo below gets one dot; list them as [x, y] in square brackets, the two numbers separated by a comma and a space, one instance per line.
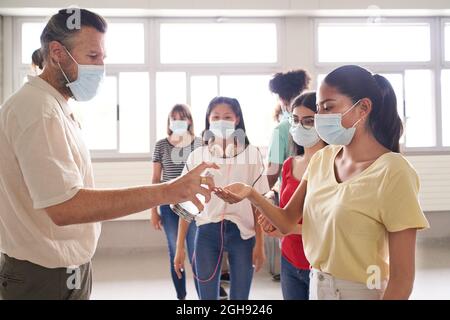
[221, 226]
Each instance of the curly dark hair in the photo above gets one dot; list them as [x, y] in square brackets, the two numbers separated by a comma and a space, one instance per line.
[290, 84]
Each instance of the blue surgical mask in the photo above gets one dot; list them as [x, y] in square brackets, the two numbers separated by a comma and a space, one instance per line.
[222, 129]
[178, 127]
[86, 85]
[304, 137]
[329, 128]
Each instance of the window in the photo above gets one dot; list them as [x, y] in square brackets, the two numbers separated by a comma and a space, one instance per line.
[256, 101]
[201, 60]
[420, 115]
[31, 33]
[203, 43]
[445, 78]
[124, 43]
[191, 62]
[400, 50]
[364, 42]
[98, 117]
[117, 119]
[134, 112]
[447, 41]
[203, 90]
[251, 91]
[170, 90]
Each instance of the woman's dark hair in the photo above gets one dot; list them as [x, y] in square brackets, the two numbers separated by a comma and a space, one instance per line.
[307, 100]
[65, 24]
[290, 84]
[357, 83]
[236, 107]
[37, 59]
[185, 112]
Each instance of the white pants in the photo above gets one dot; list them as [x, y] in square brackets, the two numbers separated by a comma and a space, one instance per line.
[324, 286]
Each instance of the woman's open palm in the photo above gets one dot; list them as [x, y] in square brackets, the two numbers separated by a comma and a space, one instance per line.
[233, 193]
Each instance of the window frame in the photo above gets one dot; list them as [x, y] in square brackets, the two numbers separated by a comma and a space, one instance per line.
[152, 65]
[444, 22]
[252, 66]
[436, 65]
[218, 69]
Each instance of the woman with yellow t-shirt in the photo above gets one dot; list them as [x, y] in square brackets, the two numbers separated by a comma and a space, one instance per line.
[359, 196]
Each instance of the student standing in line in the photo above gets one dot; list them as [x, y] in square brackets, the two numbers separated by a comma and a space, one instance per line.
[221, 226]
[286, 86]
[306, 142]
[169, 158]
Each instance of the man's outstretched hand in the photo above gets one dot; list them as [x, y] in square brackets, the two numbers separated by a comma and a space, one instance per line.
[186, 187]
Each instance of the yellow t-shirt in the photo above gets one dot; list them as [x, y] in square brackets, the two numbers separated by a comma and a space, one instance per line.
[346, 225]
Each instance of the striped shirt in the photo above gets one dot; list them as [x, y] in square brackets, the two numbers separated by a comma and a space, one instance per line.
[172, 158]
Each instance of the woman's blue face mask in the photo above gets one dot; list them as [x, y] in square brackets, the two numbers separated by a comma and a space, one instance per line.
[329, 127]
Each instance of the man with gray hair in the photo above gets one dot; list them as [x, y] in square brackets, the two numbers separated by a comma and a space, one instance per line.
[49, 209]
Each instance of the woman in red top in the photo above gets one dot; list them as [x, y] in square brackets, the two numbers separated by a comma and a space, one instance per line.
[294, 265]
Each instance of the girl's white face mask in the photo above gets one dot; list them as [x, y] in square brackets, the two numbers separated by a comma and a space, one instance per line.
[178, 127]
[329, 127]
[304, 137]
[222, 129]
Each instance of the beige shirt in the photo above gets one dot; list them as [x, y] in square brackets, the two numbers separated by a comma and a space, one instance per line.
[43, 162]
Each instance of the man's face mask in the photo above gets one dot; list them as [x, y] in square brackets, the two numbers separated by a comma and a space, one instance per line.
[86, 85]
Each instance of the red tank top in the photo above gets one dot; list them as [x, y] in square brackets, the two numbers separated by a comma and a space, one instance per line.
[291, 245]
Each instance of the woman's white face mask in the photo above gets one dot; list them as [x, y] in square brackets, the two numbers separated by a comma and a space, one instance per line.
[222, 129]
[304, 137]
[329, 127]
[179, 127]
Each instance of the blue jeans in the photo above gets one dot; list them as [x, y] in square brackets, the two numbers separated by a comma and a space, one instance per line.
[170, 224]
[207, 258]
[294, 281]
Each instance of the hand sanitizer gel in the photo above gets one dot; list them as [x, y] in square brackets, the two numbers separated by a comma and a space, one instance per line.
[187, 210]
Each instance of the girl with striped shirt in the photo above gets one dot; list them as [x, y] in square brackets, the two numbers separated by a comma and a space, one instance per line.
[169, 158]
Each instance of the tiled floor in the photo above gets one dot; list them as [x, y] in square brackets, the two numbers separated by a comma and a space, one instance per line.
[146, 276]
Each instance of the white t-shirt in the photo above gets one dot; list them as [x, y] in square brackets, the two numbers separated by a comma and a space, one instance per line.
[43, 162]
[246, 167]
